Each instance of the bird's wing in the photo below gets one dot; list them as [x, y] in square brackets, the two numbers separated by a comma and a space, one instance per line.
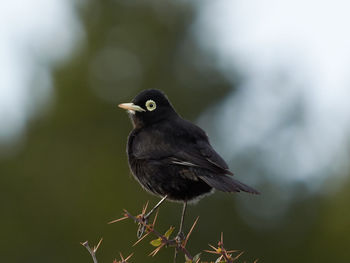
[192, 151]
[188, 147]
[202, 155]
[198, 150]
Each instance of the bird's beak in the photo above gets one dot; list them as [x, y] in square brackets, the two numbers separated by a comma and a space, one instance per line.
[131, 107]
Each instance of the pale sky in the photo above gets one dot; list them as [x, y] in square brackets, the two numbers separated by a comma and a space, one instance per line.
[288, 122]
[34, 34]
[293, 55]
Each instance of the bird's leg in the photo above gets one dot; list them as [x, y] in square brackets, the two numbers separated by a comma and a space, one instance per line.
[145, 218]
[155, 207]
[180, 235]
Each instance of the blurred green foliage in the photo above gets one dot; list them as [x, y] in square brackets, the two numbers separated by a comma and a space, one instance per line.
[71, 176]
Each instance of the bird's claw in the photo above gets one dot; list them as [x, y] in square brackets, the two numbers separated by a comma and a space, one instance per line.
[142, 227]
[180, 237]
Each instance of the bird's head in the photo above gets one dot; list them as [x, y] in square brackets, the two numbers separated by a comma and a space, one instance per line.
[149, 107]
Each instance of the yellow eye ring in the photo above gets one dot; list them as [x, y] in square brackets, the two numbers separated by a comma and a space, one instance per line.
[151, 105]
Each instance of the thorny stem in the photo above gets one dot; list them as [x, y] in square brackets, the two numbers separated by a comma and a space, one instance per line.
[92, 251]
[165, 241]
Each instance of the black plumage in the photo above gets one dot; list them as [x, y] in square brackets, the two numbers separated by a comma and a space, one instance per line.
[172, 157]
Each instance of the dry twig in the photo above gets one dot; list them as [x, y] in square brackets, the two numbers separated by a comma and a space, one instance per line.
[93, 250]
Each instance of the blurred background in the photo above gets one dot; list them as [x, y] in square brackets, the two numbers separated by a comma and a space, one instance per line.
[268, 80]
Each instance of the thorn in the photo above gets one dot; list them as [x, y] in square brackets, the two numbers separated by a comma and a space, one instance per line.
[212, 247]
[220, 258]
[155, 218]
[117, 220]
[138, 241]
[144, 209]
[211, 252]
[85, 244]
[236, 257]
[154, 252]
[98, 245]
[128, 257]
[222, 238]
[190, 232]
[231, 251]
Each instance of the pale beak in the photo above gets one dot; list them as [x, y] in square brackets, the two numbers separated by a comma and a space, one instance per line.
[131, 107]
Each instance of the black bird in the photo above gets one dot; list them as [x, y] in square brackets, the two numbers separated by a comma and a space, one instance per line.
[172, 157]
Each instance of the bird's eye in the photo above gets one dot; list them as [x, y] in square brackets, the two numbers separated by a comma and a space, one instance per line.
[151, 105]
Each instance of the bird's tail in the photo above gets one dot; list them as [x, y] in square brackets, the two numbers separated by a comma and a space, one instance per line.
[228, 184]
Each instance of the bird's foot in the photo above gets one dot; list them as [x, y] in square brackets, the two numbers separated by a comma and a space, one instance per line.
[142, 226]
[180, 237]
